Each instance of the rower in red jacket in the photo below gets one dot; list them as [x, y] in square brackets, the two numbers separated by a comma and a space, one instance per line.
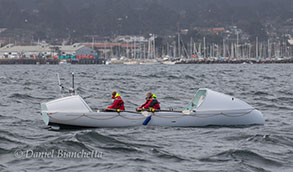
[118, 102]
[151, 102]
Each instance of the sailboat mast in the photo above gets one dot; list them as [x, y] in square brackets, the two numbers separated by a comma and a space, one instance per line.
[256, 48]
[179, 46]
[204, 47]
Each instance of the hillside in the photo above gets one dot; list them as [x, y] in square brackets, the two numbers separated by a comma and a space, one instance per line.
[77, 19]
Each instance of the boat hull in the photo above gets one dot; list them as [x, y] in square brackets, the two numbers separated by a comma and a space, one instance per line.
[168, 119]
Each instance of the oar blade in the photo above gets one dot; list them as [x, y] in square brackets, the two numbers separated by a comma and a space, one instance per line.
[147, 120]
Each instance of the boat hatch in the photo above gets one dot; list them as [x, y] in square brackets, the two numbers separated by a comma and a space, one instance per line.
[197, 100]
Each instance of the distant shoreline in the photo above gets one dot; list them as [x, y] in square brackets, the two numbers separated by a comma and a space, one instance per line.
[103, 61]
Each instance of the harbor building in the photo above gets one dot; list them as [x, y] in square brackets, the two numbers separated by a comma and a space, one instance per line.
[76, 50]
[45, 51]
[12, 51]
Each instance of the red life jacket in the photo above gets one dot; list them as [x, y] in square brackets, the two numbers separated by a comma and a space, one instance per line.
[153, 103]
[142, 106]
[117, 104]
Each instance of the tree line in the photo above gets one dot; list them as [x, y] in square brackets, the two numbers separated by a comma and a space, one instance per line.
[78, 19]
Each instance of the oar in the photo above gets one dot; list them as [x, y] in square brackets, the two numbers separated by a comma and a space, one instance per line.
[147, 110]
[142, 110]
[137, 112]
[168, 111]
[147, 120]
[115, 110]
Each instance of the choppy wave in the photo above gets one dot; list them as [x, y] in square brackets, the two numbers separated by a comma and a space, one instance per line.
[242, 155]
[21, 96]
[94, 137]
[165, 155]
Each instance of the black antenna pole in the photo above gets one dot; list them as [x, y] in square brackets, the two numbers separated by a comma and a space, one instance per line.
[73, 83]
[60, 85]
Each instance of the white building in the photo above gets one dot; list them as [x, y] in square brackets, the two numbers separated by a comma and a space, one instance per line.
[130, 39]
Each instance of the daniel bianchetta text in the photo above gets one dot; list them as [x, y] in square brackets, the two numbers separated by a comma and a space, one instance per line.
[62, 154]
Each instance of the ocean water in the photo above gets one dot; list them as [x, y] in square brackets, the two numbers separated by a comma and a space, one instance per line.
[24, 136]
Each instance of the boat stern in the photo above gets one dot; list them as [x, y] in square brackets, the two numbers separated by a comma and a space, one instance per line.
[257, 117]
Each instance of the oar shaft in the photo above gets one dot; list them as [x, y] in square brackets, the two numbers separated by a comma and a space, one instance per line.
[147, 110]
[169, 111]
[115, 110]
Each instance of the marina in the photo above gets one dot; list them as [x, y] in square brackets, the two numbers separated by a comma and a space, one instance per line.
[146, 50]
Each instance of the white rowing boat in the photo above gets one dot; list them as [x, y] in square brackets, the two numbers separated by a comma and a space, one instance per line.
[206, 108]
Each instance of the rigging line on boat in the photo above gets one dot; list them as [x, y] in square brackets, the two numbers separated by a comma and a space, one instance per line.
[65, 120]
[177, 116]
[159, 116]
[131, 118]
[84, 116]
[209, 116]
[223, 115]
[95, 118]
[238, 115]
[229, 110]
[101, 118]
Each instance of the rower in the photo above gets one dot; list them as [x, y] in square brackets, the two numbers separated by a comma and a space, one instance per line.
[118, 103]
[151, 102]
